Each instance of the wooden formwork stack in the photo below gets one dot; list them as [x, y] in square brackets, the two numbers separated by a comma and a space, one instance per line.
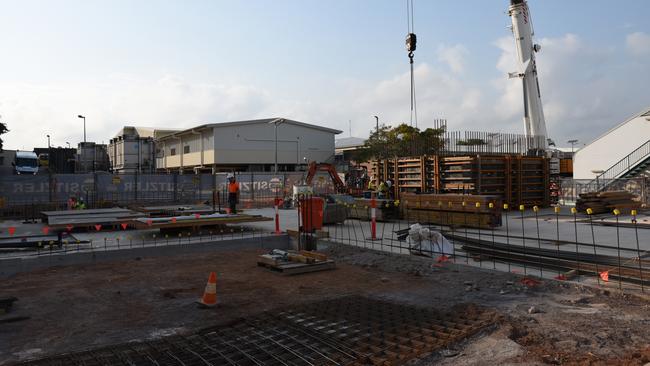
[482, 211]
[518, 180]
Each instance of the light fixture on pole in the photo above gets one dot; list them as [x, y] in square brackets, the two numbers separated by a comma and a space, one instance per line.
[377, 120]
[84, 118]
[276, 122]
[68, 144]
[48, 141]
[572, 142]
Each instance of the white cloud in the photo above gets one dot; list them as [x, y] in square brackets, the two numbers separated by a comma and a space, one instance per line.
[586, 89]
[638, 43]
[454, 56]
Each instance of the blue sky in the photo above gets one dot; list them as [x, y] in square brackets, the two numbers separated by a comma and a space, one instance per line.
[176, 64]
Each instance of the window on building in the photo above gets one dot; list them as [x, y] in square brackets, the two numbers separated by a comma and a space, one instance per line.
[186, 149]
[172, 151]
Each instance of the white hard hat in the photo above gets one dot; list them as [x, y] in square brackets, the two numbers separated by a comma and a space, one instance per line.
[229, 176]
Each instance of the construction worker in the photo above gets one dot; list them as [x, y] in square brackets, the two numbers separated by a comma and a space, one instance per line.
[371, 184]
[233, 193]
[383, 189]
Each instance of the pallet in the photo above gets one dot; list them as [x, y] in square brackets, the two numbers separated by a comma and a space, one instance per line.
[293, 268]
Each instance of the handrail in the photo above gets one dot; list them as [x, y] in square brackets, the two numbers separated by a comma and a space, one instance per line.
[623, 165]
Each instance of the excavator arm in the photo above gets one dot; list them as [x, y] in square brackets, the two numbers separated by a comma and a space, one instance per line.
[329, 168]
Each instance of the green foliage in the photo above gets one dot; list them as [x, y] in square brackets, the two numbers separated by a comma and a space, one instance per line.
[3, 130]
[400, 141]
[471, 142]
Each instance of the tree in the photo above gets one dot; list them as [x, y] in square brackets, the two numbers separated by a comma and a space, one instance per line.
[3, 130]
[400, 141]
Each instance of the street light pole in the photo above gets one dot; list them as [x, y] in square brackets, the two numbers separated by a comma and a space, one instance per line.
[377, 120]
[572, 142]
[84, 118]
[276, 122]
[48, 141]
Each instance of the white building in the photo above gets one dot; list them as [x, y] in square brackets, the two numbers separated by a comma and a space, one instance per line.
[133, 149]
[245, 146]
[625, 146]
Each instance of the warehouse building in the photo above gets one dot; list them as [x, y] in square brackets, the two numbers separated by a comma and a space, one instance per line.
[622, 152]
[245, 146]
[133, 149]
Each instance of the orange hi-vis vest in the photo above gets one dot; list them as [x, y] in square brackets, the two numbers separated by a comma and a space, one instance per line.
[233, 187]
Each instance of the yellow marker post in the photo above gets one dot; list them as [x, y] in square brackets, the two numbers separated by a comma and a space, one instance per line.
[633, 212]
[574, 210]
[556, 209]
[522, 207]
[590, 211]
[478, 204]
[617, 212]
[505, 206]
[491, 205]
[535, 208]
[463, 203]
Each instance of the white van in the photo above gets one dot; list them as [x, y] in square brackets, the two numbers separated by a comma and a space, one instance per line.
[26, 162]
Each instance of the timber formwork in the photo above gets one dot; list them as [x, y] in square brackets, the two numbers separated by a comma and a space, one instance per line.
[345, 331]
[518, 180]
[479, 211]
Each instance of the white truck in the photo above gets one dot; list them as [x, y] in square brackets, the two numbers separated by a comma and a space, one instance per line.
[26, 162]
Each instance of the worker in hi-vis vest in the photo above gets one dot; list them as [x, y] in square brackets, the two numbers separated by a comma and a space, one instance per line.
[233, 193]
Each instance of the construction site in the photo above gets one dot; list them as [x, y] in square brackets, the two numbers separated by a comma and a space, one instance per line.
[219, 245]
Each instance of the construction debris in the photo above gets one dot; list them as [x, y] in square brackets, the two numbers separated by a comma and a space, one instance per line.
[429, 243]
[603, 202]
[291, 262]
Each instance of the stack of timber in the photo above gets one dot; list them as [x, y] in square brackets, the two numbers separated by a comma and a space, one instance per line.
[409, 174]
[87, 219]
[290, 262]
[518, 180]
[602, 202]
[453, 209]
[193, 222]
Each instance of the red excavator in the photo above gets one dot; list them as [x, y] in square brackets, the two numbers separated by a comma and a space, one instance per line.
[355, 184]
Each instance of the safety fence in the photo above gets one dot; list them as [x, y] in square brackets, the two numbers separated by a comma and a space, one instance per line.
[26, 196]
[557, 243]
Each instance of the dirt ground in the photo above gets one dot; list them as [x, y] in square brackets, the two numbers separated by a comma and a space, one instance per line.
[550, 322]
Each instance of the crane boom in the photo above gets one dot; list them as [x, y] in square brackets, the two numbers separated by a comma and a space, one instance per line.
[522, 30]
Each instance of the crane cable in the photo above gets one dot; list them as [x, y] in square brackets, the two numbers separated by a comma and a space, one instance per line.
[411, 42]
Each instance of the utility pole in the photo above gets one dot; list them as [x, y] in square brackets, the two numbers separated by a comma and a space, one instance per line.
[377, 120]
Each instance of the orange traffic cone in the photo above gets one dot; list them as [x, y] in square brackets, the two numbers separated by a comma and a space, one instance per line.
[209, 298]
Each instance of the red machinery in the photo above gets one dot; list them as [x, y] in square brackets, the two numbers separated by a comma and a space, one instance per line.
[329, 168]
[349, 187]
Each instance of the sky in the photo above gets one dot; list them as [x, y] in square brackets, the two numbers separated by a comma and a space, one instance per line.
[177, 64]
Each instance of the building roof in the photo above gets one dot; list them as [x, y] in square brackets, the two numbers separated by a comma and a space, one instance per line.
[145, 132]
[348, 142]
[254, 121]
[644, 113]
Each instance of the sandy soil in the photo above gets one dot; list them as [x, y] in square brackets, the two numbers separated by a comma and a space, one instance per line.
[78, 307]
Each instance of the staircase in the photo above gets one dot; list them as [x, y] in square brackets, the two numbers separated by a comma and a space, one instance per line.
[635, 164]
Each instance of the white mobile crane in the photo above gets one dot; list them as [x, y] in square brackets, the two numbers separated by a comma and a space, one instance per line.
[522, 30]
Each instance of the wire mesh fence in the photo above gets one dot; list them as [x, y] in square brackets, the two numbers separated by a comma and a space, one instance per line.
[557, 243]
